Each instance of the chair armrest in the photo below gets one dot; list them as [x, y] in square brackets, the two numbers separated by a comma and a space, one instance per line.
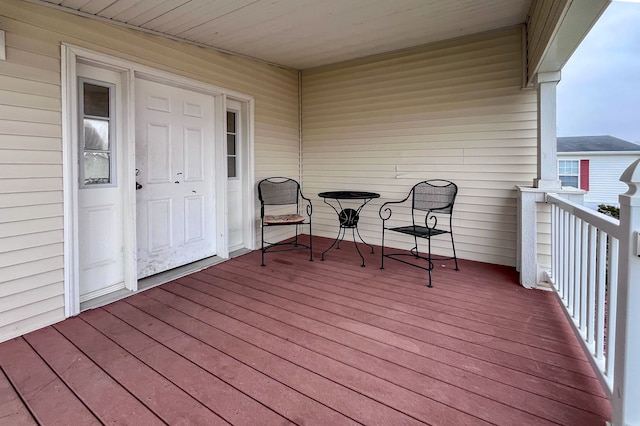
[309, 207]
[385, 211]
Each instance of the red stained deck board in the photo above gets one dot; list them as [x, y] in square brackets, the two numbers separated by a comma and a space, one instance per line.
[307, 333]
[490, 370]
[12, 409]
[433, 298]
[226, 401]
[460, 328]
[413, 299]
[481, 403]
[165, 399]
[49, 399]
[74, 368]
[303, 339]
[282, 399]
[330, 393]
[382, 327]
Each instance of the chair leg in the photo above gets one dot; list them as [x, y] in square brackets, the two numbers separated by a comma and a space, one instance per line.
[455, 258]
[430, 261]
[262, 240]
[382, 249]
[310, 243]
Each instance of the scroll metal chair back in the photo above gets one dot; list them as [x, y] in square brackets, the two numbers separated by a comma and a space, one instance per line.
[281, 191]
[430, 200]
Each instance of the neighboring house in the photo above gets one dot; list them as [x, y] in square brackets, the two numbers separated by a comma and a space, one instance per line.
[595, 163]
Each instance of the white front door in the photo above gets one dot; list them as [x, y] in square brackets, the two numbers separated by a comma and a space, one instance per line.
[175, 170]
[100, 182]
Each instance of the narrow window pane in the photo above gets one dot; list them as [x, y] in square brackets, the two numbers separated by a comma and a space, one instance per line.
[96, 168]
[231, 167]
[569, 181]
[231, 145]
[231, 122]
[96, 134]
[96, 100]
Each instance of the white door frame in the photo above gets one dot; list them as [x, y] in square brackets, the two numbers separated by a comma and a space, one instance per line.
[70, 55]
[247, 171]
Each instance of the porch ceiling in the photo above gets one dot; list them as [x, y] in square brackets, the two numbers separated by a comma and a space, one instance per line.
[304, 34]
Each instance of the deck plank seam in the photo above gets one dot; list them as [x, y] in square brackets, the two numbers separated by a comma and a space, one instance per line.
[20, 396]
[236, 359]
[67, 385]
[159, 373]
[300, 366]
[430, 331]
[365, 337]
[381, 359]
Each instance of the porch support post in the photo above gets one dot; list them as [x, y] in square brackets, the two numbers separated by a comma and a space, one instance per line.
[546, 83]
[626, 379]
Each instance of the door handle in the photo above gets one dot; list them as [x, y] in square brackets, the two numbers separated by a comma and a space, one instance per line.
[138, 186]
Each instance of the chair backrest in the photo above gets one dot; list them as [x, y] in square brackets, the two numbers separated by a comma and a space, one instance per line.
[278, 191]
[435, 195]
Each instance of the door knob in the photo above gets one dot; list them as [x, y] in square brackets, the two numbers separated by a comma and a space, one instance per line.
[138, 186]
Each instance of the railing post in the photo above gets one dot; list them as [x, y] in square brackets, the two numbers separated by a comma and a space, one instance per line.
[626, 380]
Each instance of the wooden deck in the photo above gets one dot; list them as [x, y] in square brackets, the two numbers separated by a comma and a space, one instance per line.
[299, 342]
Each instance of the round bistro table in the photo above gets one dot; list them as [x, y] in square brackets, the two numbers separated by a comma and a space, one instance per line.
[347, 217]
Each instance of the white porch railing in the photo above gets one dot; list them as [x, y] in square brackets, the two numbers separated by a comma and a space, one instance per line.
[584, 253]
[596, 274]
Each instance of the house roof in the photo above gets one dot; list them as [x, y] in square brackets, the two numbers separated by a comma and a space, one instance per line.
[303, 34]
[595, 144]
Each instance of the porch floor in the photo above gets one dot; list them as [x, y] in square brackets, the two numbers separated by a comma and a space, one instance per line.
[299, 342]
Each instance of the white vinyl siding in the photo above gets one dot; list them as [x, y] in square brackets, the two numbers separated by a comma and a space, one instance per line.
[31, 261]
[604, 178]
[452, 110]
[604, 175]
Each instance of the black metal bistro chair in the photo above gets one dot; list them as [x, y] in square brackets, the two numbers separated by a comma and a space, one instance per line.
[282, 204]
[430, 200]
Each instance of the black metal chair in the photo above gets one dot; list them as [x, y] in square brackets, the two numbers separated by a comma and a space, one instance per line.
[430, 200]
[281, 204]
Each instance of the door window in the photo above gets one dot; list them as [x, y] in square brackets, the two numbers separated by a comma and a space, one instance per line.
[232, 145]
[96, 133]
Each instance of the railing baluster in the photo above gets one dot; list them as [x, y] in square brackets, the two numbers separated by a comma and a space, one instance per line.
[612, 298]
[592, 288]
[554, 245]
[565, 256]
[584, 280]
[600, 294]
[577, 259]
[571, 278]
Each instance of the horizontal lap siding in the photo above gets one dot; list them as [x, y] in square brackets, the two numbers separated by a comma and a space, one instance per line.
[31, 187]
[453, 111]
[604, 178]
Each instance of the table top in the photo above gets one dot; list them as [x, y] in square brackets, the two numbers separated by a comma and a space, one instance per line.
[349, 195]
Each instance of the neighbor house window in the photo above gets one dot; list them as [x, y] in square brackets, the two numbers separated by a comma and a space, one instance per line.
[96, 133]
[569, 172]
[232, 145]
[574, 173]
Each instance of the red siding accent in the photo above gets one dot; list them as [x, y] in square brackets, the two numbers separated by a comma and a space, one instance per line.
[584, 174]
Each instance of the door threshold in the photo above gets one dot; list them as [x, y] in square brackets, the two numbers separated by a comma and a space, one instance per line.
[154, 281]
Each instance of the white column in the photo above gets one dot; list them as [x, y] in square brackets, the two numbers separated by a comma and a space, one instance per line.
[547, 149]
[626, 379]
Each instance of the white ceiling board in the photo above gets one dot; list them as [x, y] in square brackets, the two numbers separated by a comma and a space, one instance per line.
[308, 33]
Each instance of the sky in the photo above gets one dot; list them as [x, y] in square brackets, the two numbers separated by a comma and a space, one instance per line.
[599, 91]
